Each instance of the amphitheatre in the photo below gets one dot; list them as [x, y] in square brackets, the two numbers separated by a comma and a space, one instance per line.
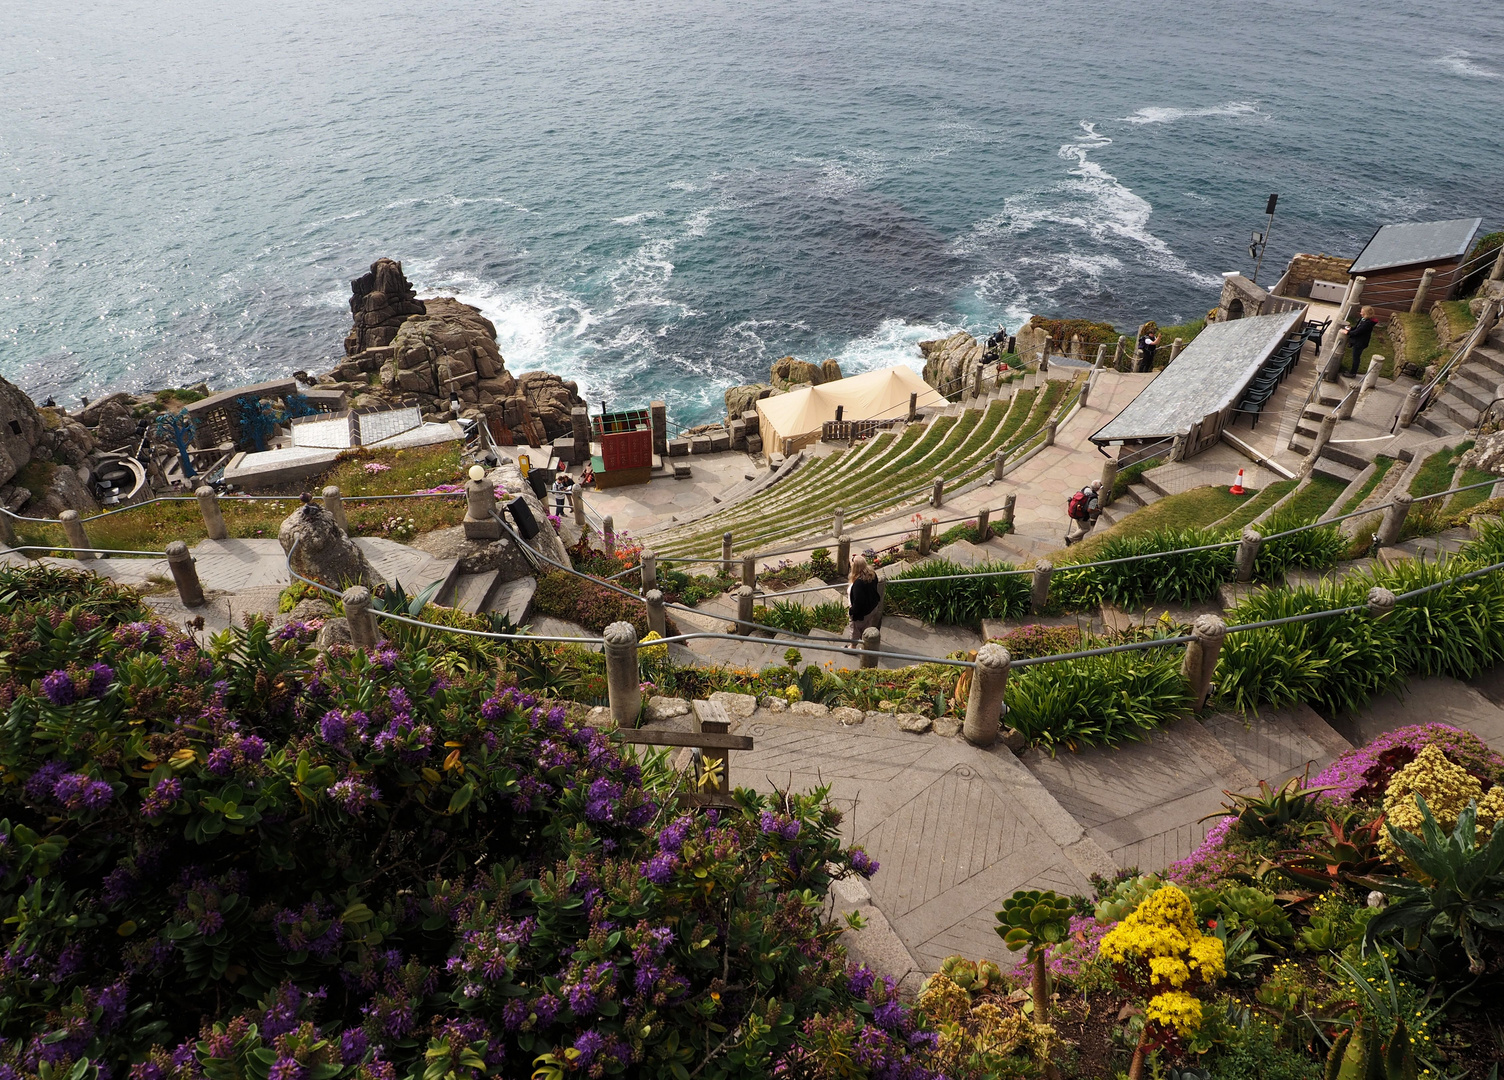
[1290, 563]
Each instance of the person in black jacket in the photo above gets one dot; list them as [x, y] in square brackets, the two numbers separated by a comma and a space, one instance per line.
[864, 598]
[1360, 334]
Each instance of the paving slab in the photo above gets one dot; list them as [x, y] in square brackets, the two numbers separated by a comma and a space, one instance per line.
[1439, 700]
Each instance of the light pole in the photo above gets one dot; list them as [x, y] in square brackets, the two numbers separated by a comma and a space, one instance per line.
[1260, 241]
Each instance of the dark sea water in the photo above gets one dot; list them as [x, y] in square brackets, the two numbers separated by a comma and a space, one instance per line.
[660, 198]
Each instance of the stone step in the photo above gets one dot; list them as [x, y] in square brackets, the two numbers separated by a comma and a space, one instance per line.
[471, 592]
[1334, 453]
[1148, 481]
[1443, 421]
[1145, 494]
[1475, 392]
[1488, 356]
[513, 599]
[1335, 470]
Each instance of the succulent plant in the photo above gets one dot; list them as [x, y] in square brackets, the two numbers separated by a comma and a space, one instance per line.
[1360, 1054]
[1274, 810]
[1035, 920]
[973, 977]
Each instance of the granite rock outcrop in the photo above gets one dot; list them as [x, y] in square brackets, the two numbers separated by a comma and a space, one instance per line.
[950, 360]
[380, 300]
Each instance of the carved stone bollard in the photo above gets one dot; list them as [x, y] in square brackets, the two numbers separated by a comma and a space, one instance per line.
[334, 502]
[726, 556]
[577, 503]
[744, 598]
[749, 571]
[1394, 519]
[1009, 503]
[357, 601]
[1039, 593]
[1371, 376]
[1380, 602]
[1119, 351]
[1419, 303]
[1049, 433]
[649, 567]
[926, 537]
[984, 704]
[1201, 654]
[208, 506]
[480, 507]
[937, 496]
[1248, 551]
[623, 686]
[184, 574]
[843, 556]
[839, 523]
[999, 463]
[872, 641]
[73, 530]
[657, 617]
[984, 526]
[1411, 405]
[1109, 481]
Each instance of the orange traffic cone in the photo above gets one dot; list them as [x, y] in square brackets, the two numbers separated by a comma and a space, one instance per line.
[1237, 485]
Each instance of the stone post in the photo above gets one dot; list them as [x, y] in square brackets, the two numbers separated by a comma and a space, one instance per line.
[334, 502]
[744, 598]
[1323, 436]
[1044, 356]
[1419, 303]
[984, 526]
[184, 574]
[658, 416]
[1009, 502]
[926, 535]
[608, 534]
[1118, 352]
[1371, 376]
[872, 641]
[657, 617]
[208, 506]
[1394, 519]
[913, 406]
[840, 522]
[999, 463]
[843, 556]
[1411, 405]
[1039, 594]
[1075, 346]
[7, 530]
[749, 571]
[1346, 406]
[648, 564]
[1177, 447]
[1248, 551]
[1201, 657]
[577, 503]
[1101, 357]
[1380, 602]
[1081, 398]
[726, 560]
[937, 497]
[1498, 271]
[1049, 433]
[984, 704]
[1109, 481]
[623, 685]
[357, 601]
[73, 529]
[1175, 347]
[480, 507]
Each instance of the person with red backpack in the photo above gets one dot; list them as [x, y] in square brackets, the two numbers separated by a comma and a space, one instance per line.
[1083, 508]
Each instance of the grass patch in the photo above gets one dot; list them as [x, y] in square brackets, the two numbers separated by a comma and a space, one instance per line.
[1466, 500]
[1421, 344]
[1194, 509]
[1435, 474]
[1313, 500]
[1381, 467]
[1266, 498]
[1132, 475]
[1460, 318]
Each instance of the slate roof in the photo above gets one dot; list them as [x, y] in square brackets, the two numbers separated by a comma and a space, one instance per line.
[1416, 242]
[1209, 374]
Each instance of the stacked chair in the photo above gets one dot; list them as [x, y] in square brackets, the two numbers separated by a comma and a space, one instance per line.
[1271, 374]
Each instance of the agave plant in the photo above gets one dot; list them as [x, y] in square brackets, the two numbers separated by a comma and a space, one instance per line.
[1273, 811]
[1350, 849]
[395, 600]
[1364, 1053]
[1458, 890]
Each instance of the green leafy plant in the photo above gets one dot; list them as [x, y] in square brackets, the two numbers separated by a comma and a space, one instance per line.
[1274, 811]
[1348, 850]
[1098, 700]
[395, 600]
[1035, 919]
[1458, 891]
[1361, 1053]
[964, 601]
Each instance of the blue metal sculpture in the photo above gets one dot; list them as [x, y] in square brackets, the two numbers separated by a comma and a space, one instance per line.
[180, 428]
[255, 420]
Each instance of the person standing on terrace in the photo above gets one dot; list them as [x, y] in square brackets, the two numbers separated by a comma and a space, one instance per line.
[1360, 334]
[864, 599]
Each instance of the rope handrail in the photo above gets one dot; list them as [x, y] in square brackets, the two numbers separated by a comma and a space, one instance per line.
[97, 551]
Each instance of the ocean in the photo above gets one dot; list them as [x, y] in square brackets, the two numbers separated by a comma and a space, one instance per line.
[660, 198]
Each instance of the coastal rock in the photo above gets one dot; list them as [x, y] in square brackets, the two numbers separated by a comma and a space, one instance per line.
[20, 429]
[740, 399]
[948, 362]
[116, 426]
[64, 491]
[72, 444]
[90, 417]
[830, 371]
[380, 300]
[550, 400]
[790, 372]
[318, 549]
[476, 556]
[507, 477]
[1487, 454]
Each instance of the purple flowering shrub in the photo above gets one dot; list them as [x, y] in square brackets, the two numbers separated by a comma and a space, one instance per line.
[244, 860]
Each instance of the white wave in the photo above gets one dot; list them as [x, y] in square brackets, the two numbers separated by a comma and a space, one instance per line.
[892, 342]
[1460, 62]
[1168, 115]
[638, 218]
[687, 186]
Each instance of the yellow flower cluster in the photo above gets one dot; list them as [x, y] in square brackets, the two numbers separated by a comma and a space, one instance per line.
[970, 1035]
[652, 652]
[1163, 935]
[1447, 789]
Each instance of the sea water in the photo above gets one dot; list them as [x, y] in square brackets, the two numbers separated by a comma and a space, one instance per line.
[660, 198]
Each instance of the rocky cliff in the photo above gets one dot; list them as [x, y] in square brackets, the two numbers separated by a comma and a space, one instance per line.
[949, 361]
[380, 300]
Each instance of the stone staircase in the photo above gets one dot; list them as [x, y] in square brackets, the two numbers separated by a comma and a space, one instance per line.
[1469, 390]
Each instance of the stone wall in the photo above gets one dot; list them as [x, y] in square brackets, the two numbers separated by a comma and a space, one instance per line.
[1304, 269]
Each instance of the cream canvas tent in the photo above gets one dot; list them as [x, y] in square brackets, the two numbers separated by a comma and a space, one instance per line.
[790, 421]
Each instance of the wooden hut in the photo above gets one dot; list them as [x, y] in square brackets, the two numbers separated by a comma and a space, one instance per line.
[1396, 257]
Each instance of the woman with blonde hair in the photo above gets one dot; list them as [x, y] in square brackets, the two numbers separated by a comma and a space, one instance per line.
[864, 599]
[1360, 334]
